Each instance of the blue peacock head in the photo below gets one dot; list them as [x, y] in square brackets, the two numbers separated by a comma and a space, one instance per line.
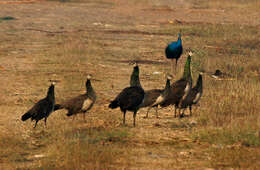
[179, 36]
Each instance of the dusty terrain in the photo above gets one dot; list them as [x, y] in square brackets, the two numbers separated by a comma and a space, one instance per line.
[65, 41]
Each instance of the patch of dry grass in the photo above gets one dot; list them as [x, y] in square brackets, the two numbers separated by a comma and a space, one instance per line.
[235, 157]
[95, 148]
[222, 4]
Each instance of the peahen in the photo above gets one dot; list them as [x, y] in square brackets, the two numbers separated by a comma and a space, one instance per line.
[181, 88]
[81, 103]
[154, 97]
[193, 97]
[42, 109]
[174, 51]
[130, 98]
[150, 95]
[219, 75]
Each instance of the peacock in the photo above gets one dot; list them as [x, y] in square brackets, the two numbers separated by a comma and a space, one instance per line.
[181, 88]
[154, 97]
[81, 103]
[174, 51]
[42, 109]
[193, 97]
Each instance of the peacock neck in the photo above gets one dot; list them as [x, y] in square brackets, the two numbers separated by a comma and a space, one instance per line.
[179, 41]
[199, 82]
[187, 72]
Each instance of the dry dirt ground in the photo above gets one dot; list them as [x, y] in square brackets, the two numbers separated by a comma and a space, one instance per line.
[65, 41]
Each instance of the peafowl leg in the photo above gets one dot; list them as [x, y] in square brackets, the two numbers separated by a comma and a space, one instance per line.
[172, 65]
[35, 124]
[182, 114]
[156, 111]
[175, 111]
[45, 121]
[190, 110]
[124, 117]
[149, 108]
[134, 116]
[179, 112]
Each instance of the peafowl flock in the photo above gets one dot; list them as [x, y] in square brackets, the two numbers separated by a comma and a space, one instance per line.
[42, 109]
[154, 97]
[193, 97]
[130, 98]
[174, 51]
[81, 103]
[179, 89]
[180, 93]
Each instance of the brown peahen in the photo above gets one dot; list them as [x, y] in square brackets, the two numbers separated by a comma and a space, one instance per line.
[193, 97]
[181, 88]
[81, 103]
[154, 97]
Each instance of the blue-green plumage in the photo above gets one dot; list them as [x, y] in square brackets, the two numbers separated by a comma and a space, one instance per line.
[174, 50]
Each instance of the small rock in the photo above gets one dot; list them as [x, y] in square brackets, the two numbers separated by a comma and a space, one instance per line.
[108, 25]
[185, 153]
[97, 23]
[39, 156]
[157, 125]
[157, 72]
[246, 144]
[193, 122]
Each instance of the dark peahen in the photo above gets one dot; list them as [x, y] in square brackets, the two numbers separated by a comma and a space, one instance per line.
[219, 75]
[154, 97]
[174, 51]
[42, 109]
[130, 98]
[181, 88]
[193, 97]
[81, 103]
